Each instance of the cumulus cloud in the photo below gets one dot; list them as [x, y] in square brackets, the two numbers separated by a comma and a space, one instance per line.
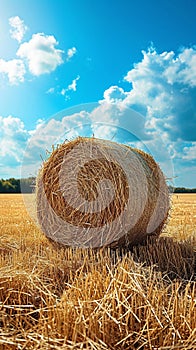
[182, 68]
[13, 141]
[127, 122]
[41, 54]
[189, 153]
[163, 89]
[18, 28]
[13, 138]
[114, 94]
[71, 52]
[14, 70]
[52, 132]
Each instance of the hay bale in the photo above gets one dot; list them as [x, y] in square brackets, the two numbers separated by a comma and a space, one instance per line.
[93, 193]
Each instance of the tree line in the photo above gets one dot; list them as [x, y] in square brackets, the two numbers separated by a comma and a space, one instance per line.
[27, 185]
[184, 190]
[181, 190]
[13, 185]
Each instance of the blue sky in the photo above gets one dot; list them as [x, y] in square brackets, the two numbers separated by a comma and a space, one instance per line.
[121, 55]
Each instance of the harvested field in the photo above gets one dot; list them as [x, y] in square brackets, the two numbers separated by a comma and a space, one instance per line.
[138, 298]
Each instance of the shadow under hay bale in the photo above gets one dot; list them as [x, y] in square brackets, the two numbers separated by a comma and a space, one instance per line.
[97, 193]
[176, 260]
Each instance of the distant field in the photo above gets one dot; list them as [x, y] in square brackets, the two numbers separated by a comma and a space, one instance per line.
[182, 222]
[15, 220]
[52, 298]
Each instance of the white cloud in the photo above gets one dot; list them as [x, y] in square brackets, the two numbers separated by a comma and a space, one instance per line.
[183, 68]
[124, 118]
[189, 153]
[49, 133]
[71, 87]
[18, 28]
[71, 52]
[106, 132]
[13, 69]
[163, 90]
[13, 141]
[13, 138]
[41, 54]
[50, 91]
[64, 93]
[114, 94]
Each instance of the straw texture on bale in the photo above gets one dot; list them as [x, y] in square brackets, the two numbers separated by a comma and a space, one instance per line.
[94, 193]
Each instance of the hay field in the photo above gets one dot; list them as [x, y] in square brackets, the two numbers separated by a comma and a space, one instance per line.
[144, 298]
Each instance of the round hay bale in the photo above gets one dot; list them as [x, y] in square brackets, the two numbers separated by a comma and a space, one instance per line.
[94, 193]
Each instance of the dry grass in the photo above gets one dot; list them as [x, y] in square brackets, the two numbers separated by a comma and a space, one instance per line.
[143, 298]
